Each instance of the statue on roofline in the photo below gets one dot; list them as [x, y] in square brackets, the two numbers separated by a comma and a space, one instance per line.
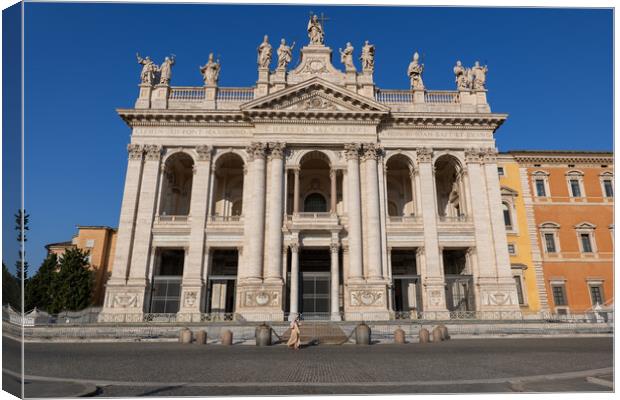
[264, 53]
[315, 31]
[211, 71]
[285, 54]
[415, 72]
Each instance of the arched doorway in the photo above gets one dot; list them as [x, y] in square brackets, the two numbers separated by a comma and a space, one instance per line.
[228, 187]
[449, 186]
[176, 190]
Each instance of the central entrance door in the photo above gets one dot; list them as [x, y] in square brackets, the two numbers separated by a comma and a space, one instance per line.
[315, 278]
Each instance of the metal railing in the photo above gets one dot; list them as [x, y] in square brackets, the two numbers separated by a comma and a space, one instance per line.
[441, 97]
[232, 94]
[180, 93]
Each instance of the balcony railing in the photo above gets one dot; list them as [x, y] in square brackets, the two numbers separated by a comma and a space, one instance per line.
[234, 94]
[187, 94]
[454, 219]
[403, 219]
[441, 97]
[172, 219]
[394, 96]
[225, 218]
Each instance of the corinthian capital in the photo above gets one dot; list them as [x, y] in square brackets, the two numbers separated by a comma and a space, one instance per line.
[256, 150]
[424, 154]
[135, 151]
[277, 150]
[371, 151]
[489, 155]
[334, 247]
[204, 152]
[153, 152]
[352, 150]
[472, 155]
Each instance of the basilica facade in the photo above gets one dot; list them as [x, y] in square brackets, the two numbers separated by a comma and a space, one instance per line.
[313, 192]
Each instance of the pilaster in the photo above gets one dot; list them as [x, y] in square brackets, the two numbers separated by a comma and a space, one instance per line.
[432, 276]
[193, 283]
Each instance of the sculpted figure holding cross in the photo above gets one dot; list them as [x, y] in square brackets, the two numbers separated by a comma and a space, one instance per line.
[315, 30]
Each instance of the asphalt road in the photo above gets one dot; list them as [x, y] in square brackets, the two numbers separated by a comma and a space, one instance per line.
[455, 366]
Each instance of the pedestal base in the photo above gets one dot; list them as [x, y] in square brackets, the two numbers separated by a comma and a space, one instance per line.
[366, 302]
[260, 301]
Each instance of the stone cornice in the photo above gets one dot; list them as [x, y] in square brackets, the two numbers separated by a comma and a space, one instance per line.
[444, 120]
[564, 158]
[150, 117]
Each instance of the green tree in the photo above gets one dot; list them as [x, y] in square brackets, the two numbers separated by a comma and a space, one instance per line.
[72, 284]
[10, 289]
[39, 292]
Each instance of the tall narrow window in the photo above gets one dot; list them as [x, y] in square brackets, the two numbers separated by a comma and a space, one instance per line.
[559, 297]
[609, 190]
[540, 188]
[596, 293]
[550, 242]
[507, 219]
[586, 243]
[519, 289]
[574, 188]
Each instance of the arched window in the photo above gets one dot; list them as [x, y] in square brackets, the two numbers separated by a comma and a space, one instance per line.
[507, 216]
[315, 202]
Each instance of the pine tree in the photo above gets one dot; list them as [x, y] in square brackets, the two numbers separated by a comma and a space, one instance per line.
[72, 284]
[39, 292]
[21, 226]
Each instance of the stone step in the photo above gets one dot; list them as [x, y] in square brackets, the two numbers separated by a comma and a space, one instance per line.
[321, 333]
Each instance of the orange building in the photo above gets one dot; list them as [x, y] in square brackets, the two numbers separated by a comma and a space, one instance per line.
[570, 205]
[100, 242]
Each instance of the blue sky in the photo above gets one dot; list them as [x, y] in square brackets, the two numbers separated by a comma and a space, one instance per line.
[550, 69]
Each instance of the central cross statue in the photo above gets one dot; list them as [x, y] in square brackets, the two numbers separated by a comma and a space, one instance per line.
[315, 29]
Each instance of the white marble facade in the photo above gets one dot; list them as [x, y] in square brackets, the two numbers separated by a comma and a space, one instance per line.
[313, 191]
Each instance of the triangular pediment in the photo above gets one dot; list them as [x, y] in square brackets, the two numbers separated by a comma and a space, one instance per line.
[315, 95]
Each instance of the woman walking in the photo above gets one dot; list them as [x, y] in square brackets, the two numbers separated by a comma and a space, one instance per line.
[295, 340]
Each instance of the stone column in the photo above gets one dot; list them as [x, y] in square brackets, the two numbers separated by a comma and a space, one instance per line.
[273, 272]
[294, 300]
[115, 288]
[372, 213]
[432, 276]
[335, 309]
[390, 280]
[254, 224]
[332, 196]
[193, 284]
[414, 197]
[296, 192]
[354, 213]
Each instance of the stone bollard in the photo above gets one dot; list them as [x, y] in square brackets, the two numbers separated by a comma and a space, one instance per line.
[263, 335]
[437, 336]
[185, 336]
[444, 332]
[362, 334]
[201, 337]
[226, 338]
[424, 335]
[399, 336]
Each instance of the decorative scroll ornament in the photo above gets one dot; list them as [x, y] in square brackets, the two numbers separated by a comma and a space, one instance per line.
[294, 246]
[351, 151]
[424, 154]
[366, 298]
[277, 150]
[135, 151]
[153, 152]
[125, 300]
[204, 152]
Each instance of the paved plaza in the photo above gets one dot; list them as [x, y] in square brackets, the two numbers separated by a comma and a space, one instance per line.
[467, 365]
